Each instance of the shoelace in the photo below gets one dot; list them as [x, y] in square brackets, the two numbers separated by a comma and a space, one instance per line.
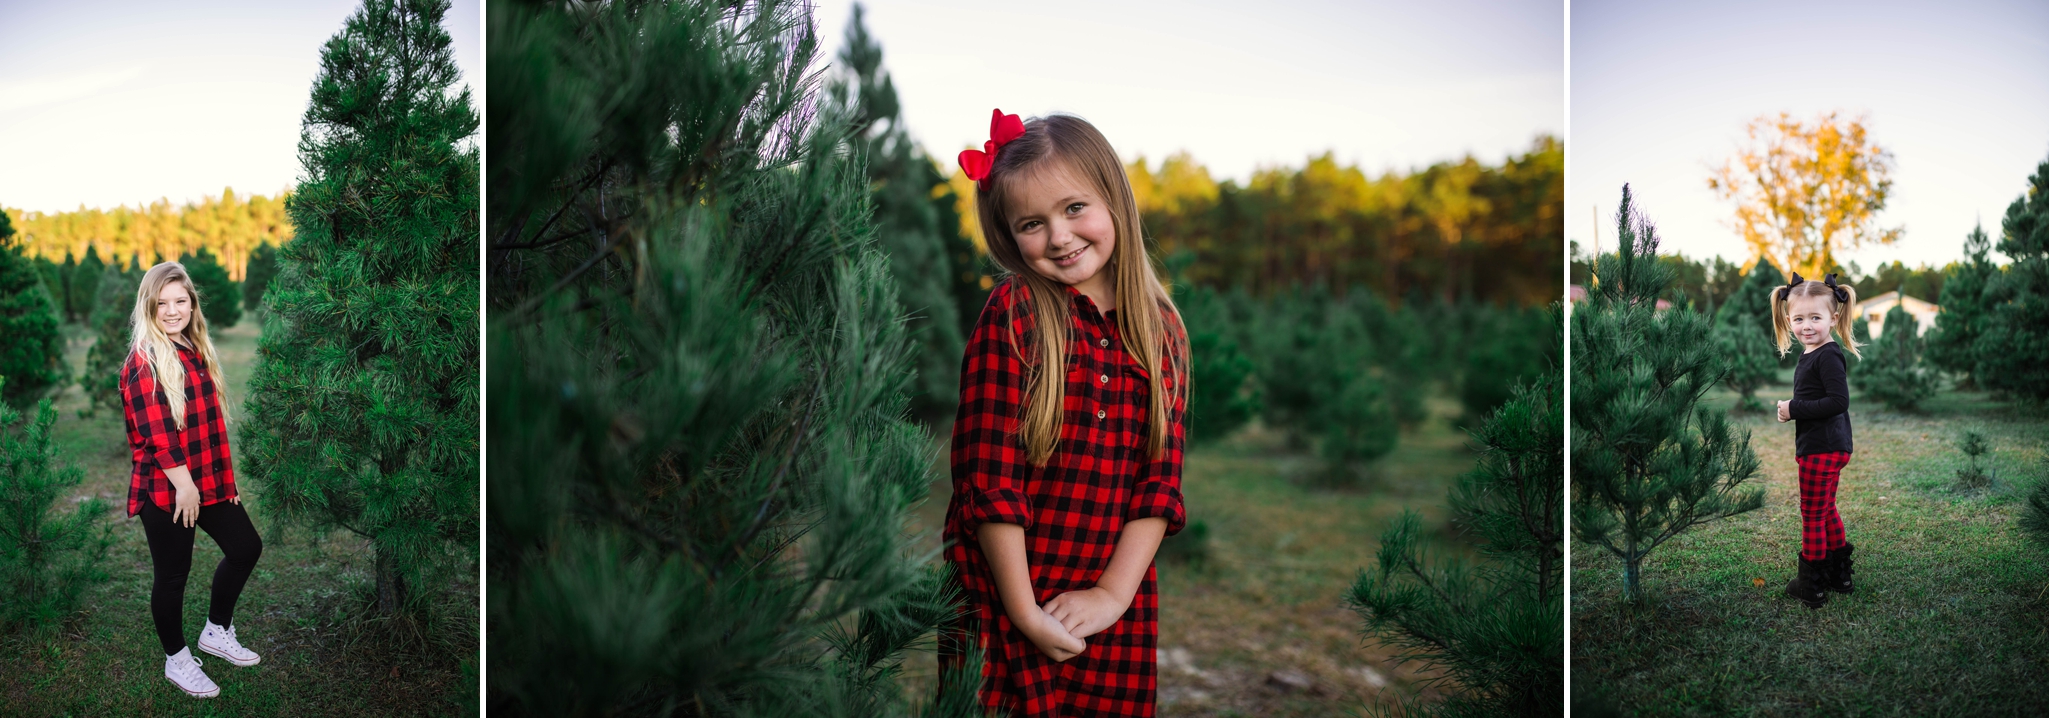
[185, 670]
[234, 644]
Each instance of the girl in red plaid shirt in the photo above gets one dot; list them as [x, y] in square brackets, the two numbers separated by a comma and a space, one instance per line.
[1809, 311]
[183, 475]
[1067, 446]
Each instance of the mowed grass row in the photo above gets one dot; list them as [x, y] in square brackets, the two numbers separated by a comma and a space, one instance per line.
[1282, 552]
[1949, 617]
[302, 609]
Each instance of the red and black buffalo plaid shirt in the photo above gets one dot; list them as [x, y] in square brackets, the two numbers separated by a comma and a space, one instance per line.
[158, 443]
[1073, 509]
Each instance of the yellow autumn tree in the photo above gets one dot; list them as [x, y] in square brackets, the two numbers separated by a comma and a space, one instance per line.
[1807, 191]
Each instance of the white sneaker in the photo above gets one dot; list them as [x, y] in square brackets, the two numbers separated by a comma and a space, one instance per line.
[183, 670]
[221, 642]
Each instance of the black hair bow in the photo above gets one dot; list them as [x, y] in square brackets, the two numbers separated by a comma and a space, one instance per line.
[1842, 295]
[1788, 289]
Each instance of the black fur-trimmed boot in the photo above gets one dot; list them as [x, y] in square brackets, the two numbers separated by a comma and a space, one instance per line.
[1809, 584]
[1838, 565]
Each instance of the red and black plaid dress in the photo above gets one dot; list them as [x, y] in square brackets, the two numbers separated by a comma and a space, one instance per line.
[157, 443]
[1073, 509]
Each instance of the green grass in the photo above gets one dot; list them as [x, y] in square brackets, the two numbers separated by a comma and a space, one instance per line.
[1282, 552]
[1950, 616]
[303, 609]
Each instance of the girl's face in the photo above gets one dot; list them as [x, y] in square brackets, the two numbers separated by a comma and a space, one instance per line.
[1062, 225]
[1812, 318]
[174, 308]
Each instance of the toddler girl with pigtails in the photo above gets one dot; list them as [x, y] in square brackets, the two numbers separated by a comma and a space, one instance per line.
[1809, 311]
[1067, 445]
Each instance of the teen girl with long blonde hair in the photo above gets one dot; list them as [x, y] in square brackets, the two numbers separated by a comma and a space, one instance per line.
[183, 475]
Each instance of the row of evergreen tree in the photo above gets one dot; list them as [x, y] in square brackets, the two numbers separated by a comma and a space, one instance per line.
[231, 226]
[74, 285]
[1343, 373]
[1457, 230]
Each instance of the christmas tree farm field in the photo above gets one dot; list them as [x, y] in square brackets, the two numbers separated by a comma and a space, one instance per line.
[1256, 624]
[1951, 610]
[304, 610]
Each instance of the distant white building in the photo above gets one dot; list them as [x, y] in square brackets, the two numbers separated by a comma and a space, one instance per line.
[1873, 311]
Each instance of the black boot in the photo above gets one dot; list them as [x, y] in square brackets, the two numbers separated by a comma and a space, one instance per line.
[1838, 564]
[1808, 584]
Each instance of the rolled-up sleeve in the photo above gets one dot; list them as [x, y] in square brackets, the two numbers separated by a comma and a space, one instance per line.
[1158, 490]
[148, 408]
[989, 464]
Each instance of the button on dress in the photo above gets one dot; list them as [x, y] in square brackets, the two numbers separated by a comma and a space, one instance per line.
[1073, 509]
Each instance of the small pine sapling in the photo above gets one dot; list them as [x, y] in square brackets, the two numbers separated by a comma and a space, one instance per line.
[1649, 460]
[48, 558]
[1892, 371]
[1973, 475]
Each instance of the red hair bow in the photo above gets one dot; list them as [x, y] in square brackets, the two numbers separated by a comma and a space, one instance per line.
[1002, 129]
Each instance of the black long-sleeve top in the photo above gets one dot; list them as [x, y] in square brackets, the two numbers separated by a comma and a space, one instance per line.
[1821, 402]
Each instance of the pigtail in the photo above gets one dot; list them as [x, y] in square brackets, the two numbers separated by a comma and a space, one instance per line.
[1846, 319]
[1782, 325]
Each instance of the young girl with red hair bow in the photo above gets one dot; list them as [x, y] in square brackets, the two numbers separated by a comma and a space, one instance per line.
[1067, 446]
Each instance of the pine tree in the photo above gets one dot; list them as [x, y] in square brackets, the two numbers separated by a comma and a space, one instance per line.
[2034, 518]
[1496, 630]
[2015, 336]
[52, 275]
[1648, 460]
[48, 559]
[111, 324]
[701, 459]
[1743, 333]
[218, 295]
[1220, 398]
[85, 285]
[1891, 371]
[257, 275]
[901, 179]
[1952, 342]
[363, 403]
[66, 310]
[32, 356]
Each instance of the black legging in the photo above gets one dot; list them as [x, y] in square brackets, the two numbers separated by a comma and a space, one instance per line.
[170, 549]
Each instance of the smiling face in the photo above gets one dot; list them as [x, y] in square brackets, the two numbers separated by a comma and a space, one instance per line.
[1811, 317]
[1063, 228]
[174, 308]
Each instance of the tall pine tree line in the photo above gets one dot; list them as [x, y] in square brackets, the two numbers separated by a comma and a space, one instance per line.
[363, 402]
[1649, 461]
[701, 458]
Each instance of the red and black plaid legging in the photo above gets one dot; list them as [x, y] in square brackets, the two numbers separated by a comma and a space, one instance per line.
[1821, 528]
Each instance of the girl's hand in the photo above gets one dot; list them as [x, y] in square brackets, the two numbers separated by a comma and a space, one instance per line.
[1045, 631]
[1784, 415]
[186, 512]
[1087, 612]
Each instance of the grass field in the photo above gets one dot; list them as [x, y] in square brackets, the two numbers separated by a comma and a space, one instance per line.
[1951, 612]
[302, 610]
[1268, 599]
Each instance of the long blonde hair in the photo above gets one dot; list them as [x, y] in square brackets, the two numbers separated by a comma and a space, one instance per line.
[147, 337]
[1844, 297]
[1144, 308]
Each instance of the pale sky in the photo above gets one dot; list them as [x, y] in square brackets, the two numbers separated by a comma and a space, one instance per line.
[1958, 91]
[1383, 84]
[112, 102]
